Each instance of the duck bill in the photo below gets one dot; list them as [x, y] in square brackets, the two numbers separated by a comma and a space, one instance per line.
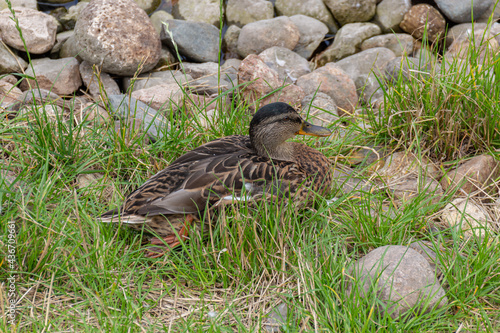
[310, 129]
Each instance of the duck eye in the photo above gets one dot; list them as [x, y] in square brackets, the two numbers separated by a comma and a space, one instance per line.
[286, 118]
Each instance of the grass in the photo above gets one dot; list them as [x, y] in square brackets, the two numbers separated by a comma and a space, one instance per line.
[75, 274]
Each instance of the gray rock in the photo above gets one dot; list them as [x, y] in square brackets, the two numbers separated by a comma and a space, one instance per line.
[19, 3]
[426, 249]
[210, 85]
[195, 40]
[157, 19]
[351, 11]
[69, 49]
[390, 13]
[312, 32]
[149, 80]
[348, 41]
[320, 108]
[312, 8]
[364, 68]
[288, 64]
[61, 76]
[128, 108]
[276, 318]
[400, 278]
[167, 59]
[9, 62]
[258, 36]
[410, 186]
[98, 82]
[492, 13]
[460, 11]
[462, 30]
[484, 45]
[467, 216]
[200, 70]
[39, 30]
[230, 41]
[61, 38]
[345, 183]
[242, 12]
[41, 96]
[400, 44]
[408, 67]
[334, 82]
[100, 31]
[9, 94]
[202, 11]
[148, 5]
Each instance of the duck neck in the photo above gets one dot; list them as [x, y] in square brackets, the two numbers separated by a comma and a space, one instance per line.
[282, 152]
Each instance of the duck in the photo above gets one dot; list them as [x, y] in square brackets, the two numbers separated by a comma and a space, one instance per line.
[260, 166]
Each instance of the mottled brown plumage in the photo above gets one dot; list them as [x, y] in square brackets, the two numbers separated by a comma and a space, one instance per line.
[262, 165]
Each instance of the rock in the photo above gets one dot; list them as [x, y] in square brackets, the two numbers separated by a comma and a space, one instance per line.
[312, 8]
[346, 184]
[411, 186]
[68, 20]
[276, 318]
[39, 30]
[459, 11]
[426, 249]
[400, 44]
[400, 278]
[409, 67]
[467, 216]
[258, 36]
[167, 59]
[163, 97]
[492, 13]
[197, 41]
[347, 41]
[210, 85]
[69, 49]
[148, 5]
[61, 38]
[475, 174]
[351, 11]
[288, 64]
[484, 45]
[320, 108]
[463, 29]
[9, 62]
[203, 11]
[424, 18]
[96, 183]
[200, 70]
[129, 108]
[158, 18]
[242, 12]
[334, 82]
[97, 82]
[94, 112]
[39, 96]
[100, 31]
[61, 76]
[264, 80]
[364, 68]
[312, 32]
[148, 80]
[390, 13]
[230, 41]
[401, 164]
[9, 94]
[32, 4]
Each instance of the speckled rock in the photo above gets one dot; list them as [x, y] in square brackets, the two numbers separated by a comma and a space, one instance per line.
[400, 278]
[467, 216]
[460, 11]
[351, 11]
[97, 82]
[258, 36]
[204, 11]
[473, 175]
[390, 14]
[100, 31]
[347, 41]
[320, 109]
[312, 32]
[197, 41]
[9, 62]
[264, 80]
[400, 44]
[39, 30]
[312, 8]
[424, 18]
[334, 82]
[61, 76]
[288, 64]
[242, 12]
[157, 19]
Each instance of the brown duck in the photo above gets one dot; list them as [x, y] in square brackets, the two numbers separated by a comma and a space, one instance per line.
[233, 168]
